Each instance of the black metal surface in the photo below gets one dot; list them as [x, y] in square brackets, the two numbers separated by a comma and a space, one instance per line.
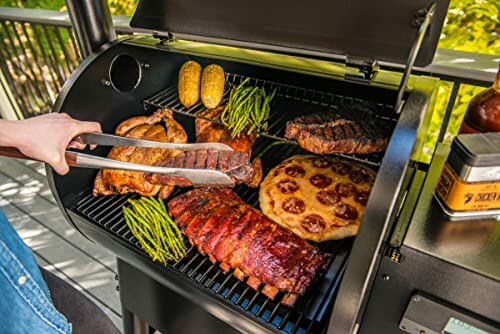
[474, 287]
[290, 102]
[473, 245]
[381, 30]
[164, 310]
[390, 188]
[311, 310]
[91, 20]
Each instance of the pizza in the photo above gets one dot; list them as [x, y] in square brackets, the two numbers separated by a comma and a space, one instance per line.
[317, 198]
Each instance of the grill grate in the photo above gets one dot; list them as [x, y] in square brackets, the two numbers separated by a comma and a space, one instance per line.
[306, 316]
[289, 103]
[308, 313]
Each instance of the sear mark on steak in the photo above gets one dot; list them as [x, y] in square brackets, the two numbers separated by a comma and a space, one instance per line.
[355, 131]
[232, 232]
[233, 163]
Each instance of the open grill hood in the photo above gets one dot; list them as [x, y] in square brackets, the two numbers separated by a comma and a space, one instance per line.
[383, 30]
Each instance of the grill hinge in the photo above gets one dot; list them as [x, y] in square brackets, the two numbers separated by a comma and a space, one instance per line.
[164, 37]
[367, 67]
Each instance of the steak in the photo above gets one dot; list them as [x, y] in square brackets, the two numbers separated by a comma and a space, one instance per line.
[356, 131]
[233, 163]
[232, 232]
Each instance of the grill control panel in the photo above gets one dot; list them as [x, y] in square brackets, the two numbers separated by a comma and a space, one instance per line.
[426, 315]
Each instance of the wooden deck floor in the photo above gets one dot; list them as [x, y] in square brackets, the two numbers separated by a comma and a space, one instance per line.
[28, 203]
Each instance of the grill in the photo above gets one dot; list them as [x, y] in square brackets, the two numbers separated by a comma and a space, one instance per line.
[137, 75]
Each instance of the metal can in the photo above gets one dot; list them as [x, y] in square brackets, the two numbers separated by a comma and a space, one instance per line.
[469, 185]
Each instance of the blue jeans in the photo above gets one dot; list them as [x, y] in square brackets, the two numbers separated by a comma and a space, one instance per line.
[25, 302]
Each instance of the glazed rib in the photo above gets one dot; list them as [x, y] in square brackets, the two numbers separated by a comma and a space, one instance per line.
[230, 231]
[233, 163]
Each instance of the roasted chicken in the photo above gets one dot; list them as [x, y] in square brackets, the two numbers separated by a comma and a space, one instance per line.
[110, 182]
[230, 231]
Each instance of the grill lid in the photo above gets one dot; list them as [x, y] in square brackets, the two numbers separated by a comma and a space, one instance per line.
[382, 30]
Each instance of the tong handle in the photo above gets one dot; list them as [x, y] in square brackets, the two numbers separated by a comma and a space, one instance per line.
[13, 152]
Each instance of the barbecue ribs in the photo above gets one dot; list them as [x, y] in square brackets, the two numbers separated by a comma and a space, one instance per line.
[110, 182]
[235, 164]
[230, 231]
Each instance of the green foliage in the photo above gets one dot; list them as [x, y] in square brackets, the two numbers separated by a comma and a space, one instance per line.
[117, 7]
[473, 26]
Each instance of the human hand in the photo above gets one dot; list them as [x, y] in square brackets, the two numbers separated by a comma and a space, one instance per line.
[46, 137]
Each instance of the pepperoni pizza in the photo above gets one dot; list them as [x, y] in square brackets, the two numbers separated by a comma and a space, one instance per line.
[317, 198]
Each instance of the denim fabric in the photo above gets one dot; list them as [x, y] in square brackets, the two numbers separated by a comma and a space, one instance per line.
[25, 303]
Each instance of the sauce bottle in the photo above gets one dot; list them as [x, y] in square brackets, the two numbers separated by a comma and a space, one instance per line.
[483, 113]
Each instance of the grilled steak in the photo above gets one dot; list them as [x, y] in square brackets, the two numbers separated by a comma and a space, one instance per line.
[235, 164]
[221, 225]
[357, 132]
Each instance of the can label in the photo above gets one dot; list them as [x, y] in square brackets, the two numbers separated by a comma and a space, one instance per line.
[462, 196]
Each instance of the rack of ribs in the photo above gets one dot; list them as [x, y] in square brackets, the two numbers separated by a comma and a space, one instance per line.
[233, 163]
[238, 236]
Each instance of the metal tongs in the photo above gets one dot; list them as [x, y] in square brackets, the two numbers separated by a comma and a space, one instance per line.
[197, 177]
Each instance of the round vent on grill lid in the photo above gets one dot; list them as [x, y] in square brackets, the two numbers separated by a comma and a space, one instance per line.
[125, 73]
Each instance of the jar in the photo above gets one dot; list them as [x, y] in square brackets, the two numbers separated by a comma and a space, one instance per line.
[483, 112]
[469, 185]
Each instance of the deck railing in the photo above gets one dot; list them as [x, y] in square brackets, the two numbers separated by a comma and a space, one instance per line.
[38, 51]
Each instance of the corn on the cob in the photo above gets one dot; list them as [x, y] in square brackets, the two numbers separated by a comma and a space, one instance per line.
[212, 85]
[189, 83]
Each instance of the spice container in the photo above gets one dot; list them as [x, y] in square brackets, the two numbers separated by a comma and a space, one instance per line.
[469, 185]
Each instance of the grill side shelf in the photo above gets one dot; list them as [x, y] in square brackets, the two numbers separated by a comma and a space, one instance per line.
[289, 103]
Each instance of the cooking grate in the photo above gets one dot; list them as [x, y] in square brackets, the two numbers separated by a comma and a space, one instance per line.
[308, 315]
[289, 103]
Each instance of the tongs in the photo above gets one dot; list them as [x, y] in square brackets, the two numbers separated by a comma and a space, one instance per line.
[197, 177]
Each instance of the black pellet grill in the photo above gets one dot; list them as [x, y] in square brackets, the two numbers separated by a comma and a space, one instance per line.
[318, 56]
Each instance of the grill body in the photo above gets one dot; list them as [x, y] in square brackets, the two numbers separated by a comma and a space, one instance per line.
[99, 91]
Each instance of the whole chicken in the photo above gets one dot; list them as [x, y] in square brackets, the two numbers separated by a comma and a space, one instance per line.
[110, 182]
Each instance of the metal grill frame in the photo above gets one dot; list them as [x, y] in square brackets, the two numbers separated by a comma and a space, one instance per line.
[390, 184]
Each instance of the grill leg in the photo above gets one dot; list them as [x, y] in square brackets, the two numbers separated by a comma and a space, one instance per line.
[132, 324]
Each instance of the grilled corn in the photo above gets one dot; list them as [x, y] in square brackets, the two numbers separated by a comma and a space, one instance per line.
[212, 85]
[189, 83]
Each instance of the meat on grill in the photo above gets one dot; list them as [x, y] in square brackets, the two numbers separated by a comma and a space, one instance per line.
[354, 132]
[210, 132]
[233, 163]
[230, 231]
[110, 181]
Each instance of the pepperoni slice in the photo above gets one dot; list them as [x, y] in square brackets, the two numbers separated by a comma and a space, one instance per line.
[320, 181]
[295, 171]
[341, 168]
[321, 163]
[345, 189]
[359, 176]
[288, 186]
[328, 197]
[313, 223]
[294, 205]
[345, 211]
[362, 197]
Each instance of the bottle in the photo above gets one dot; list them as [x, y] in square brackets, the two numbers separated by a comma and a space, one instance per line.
[483, 112]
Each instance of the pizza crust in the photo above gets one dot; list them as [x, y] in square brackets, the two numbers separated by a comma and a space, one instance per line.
[317, 198]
